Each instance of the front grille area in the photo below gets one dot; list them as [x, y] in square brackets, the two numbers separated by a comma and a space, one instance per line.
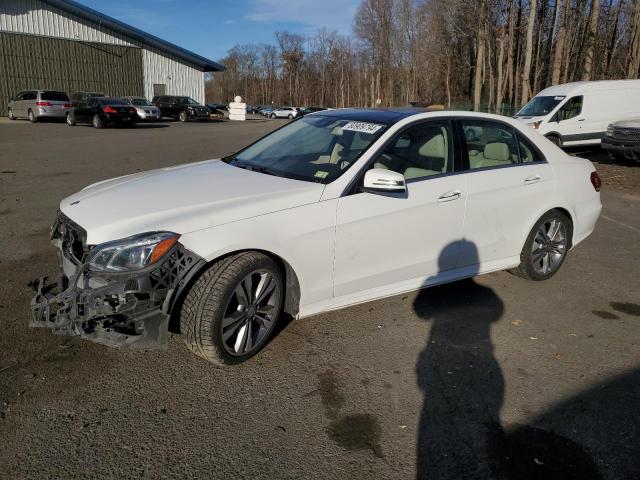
[626, 133]
[72, 236]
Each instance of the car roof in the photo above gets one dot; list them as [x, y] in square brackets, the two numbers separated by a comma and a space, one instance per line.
[386, 116]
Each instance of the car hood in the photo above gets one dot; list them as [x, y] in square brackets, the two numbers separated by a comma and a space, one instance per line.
[631, 123]
[182, 199]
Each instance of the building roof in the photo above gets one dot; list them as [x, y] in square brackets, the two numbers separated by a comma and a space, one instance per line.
[144, 38]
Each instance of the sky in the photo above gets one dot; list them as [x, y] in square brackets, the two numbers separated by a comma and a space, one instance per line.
[211, 27]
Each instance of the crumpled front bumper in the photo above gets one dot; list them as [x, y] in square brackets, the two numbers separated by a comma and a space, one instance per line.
[128, 310]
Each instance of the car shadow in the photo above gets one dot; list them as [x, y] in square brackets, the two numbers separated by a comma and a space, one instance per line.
[460, 434]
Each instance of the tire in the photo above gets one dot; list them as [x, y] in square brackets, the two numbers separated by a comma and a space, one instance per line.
[555, 139]
[214, 321]
[96, 121]
[544, 253]
[32, 117]
[290, 117]
[71, 121]
[10, 115]
[273, 115]
[183, 117]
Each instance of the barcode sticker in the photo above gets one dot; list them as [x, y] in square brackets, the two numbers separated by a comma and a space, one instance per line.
[362, 127]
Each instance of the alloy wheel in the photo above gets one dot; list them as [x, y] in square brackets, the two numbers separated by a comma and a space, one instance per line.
[250, 313]
[549, 246]
[11, 117]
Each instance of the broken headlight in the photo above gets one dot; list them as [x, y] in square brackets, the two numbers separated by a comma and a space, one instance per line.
[132, 253]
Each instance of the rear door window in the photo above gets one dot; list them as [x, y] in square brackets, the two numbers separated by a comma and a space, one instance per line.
[489, 144]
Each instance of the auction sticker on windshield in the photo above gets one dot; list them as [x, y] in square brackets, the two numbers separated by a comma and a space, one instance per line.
[362, 127]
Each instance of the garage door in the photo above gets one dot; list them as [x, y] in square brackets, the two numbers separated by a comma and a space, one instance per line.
[32, 62]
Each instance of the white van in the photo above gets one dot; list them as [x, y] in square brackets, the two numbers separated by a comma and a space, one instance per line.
[578, 113]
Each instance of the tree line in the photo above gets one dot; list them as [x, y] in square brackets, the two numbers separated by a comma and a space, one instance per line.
[489, 55]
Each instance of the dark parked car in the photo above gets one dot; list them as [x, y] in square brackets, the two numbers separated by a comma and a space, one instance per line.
[103, 111]
[215, 110]
[182, 108]
[83, 97]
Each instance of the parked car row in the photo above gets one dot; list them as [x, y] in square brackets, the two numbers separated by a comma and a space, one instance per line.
[286, 112]
[100, 110]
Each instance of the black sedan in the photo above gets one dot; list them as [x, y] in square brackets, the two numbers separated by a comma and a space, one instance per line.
[182, 108]
[101, 112]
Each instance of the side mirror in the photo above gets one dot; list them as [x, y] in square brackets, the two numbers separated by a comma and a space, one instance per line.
[380, 180]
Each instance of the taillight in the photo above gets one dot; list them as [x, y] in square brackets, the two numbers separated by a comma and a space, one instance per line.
[109, 110]
[595, 181]
[68, 105]
[43, 104]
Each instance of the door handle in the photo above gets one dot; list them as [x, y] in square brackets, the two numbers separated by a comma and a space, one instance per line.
[452, 195]
[581, 119]
[532, 179]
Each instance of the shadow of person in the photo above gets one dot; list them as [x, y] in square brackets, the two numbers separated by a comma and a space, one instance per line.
[460, 378]
[460, 434]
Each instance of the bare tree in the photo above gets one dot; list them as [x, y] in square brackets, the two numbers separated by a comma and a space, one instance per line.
[526, 71]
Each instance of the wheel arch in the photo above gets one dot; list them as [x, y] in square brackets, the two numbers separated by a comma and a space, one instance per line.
[562, 210]
[291, 304]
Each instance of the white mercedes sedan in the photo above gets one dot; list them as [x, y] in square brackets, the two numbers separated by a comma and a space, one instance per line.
[333, 209]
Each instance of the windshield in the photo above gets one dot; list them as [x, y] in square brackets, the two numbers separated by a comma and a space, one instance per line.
[111, 101]
[312, 149]
[540, 106]
[141, 102]
[186, 101]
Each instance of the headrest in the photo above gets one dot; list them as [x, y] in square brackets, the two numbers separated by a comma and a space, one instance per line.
[434, 147]
[497, 151]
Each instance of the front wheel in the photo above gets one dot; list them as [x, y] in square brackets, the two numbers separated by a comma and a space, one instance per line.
[183, 117]
[290, 117]
[230, 312]
[546, 247]
[11, 116]
[273, 115]
[71, 121]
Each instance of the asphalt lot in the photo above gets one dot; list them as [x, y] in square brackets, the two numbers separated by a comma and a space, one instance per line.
[494, 377]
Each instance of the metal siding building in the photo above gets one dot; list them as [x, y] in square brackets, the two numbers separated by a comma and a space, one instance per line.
[62, 45]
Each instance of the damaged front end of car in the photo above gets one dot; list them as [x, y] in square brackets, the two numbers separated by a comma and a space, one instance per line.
[115, 305]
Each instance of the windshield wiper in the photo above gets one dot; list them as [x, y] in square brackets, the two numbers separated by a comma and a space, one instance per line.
[255, 168]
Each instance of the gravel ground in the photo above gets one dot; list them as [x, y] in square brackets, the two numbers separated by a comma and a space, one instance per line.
[494, 377]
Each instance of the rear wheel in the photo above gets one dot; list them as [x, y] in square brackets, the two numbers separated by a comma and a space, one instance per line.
[183, 117]
[71, 121]
[32, 117]
[231, 310]
[11, 116]
[97, 121]
[546, 247]
[290, 116]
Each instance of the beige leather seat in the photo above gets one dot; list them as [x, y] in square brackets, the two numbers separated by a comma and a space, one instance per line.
[434, 153]
[494, 154]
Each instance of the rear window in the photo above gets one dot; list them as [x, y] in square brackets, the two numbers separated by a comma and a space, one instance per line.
[55, 96]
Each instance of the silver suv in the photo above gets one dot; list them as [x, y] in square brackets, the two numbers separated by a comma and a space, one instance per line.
[36, 104]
